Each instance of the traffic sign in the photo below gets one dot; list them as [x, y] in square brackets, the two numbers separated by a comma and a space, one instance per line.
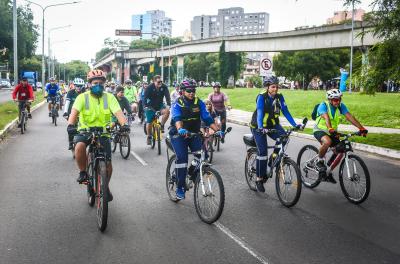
[265, 67]
[128, 32]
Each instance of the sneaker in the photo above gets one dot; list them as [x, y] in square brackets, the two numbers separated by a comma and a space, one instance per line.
[180, 193]
[110, 196]
[329, 178]
[49, 114]
[82, 177]
[321, 167]
[223, 140]
[260, 186]
[29, 115]
[162, 128]
[148, 140]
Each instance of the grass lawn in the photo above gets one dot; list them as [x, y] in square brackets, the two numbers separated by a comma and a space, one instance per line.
[9, 110]
[380, 110]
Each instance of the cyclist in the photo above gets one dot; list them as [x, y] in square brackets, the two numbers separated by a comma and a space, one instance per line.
[141, 100]
[220, 102]
[122, 100]
[153, 101]
[270, 104]
[326, 125]
[111, 87]
[74, 91]
[131, 94]
[187, 114]
[25, 93]
[53, 93]
[213, 114]
[176, 93]
[94, 108]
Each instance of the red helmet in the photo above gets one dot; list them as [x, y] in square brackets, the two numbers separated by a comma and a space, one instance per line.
[96, 74]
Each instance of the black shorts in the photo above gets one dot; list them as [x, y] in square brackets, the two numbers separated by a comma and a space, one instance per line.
[319, 134]
[104, 141]
[221, 114]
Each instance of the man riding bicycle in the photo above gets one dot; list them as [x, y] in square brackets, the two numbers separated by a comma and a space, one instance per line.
[25, 95]
[94, 108]
[326, 125]
[122, 101]
[131, 94]
[141, 91]
[187, 114]
[72, 94]
[53, 93]
[270, 104]
[154, 101]
[220, 103]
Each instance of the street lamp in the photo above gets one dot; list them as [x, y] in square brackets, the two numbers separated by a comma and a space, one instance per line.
[54, 57]
[43, 10]
[48, 41]
[15, 42]
[351, 51]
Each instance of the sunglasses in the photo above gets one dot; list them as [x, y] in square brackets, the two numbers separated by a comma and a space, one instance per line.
[190, 90]
[159, 82]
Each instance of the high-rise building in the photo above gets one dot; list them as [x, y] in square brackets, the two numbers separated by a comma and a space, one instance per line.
[340, 16]
[229, 22]
[152, 24]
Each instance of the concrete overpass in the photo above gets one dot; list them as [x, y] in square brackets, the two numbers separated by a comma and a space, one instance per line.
[323, 37]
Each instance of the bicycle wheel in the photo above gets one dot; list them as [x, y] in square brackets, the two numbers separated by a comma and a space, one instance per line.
[250, 168]
[288, 182]
[114, 142]
[210, 151]
[22, 122]
[171, 179]
[158, 132]
[209, 197]
[354, 179]
[101, 195]
[306, 162]
[125, 146]
[91, 185]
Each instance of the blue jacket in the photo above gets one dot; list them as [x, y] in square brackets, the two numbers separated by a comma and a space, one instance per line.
[52, 90]
[284, 109]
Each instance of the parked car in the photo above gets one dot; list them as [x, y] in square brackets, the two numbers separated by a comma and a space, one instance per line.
[4, 83]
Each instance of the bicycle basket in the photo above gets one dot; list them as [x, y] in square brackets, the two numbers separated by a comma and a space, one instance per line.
[343, 146]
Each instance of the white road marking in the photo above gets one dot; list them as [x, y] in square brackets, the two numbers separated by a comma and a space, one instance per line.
[144, 163]
[242, 243]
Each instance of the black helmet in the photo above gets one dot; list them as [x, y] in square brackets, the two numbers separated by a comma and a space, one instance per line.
[270, 80]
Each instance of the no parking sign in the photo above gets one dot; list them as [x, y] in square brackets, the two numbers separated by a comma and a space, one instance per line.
[265, 67]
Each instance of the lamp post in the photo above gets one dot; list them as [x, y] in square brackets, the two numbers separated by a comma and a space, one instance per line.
[15, 42]
[351, 49]
[54, 58]
[43, 10]
[48, 42]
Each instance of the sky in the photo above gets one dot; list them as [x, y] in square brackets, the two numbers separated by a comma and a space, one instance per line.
[94, 20]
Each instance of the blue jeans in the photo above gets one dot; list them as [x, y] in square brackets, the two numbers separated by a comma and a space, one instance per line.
[262, 150]
[180, 145]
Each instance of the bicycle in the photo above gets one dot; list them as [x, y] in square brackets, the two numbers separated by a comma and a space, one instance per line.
[123, 139]
[287, 173]
[55, 102]
[73, 143]
[23, 115]
[97, 183]
[209, 192]
[209, 143]
[350, 175]
[156, 134]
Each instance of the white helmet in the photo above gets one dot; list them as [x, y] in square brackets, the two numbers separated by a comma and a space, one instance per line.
[333, 94]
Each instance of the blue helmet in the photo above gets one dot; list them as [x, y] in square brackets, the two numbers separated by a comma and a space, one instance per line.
[270, 80]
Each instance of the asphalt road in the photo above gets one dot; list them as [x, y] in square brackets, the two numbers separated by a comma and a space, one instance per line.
[45, 218]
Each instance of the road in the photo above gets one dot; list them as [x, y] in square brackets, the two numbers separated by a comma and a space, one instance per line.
[5, 95]
[45, 218]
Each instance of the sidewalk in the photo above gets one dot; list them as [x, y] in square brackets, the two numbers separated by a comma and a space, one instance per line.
[244, 117]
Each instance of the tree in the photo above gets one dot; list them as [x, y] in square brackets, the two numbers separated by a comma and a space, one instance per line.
[76, 68]
[101, 53]
[230, 64]
[308, 64]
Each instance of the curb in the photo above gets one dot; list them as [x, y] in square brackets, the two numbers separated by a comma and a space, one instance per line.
[386, 152]
[14, 122]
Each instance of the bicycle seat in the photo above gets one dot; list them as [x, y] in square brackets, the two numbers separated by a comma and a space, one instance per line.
[248, 139]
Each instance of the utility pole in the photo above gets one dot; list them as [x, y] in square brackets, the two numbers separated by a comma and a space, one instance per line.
[15, 42]
[351, 51]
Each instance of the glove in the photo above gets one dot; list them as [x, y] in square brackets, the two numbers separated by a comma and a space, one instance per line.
[182, 131]
[71, 129]
[333, 133]
[65, 114]
[219, 133]
[363, 132]
[125, 128]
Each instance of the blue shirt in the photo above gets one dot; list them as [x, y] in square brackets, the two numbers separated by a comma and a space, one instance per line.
[204, 114]
[323, 110]
[52, 90]
[284, 109]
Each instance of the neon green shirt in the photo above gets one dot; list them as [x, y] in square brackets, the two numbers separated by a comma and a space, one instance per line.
[130, 93]
[95, 113]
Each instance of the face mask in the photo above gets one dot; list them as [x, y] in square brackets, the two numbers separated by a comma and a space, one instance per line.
[97, 90]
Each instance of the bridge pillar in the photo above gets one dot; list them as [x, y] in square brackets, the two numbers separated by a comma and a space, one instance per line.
[179, 68]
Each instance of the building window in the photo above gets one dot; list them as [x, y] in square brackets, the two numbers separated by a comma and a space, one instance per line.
[226, 17]
[245, 27]
[245, 33]
[213, 19]
[251, 16]
[246, 16]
